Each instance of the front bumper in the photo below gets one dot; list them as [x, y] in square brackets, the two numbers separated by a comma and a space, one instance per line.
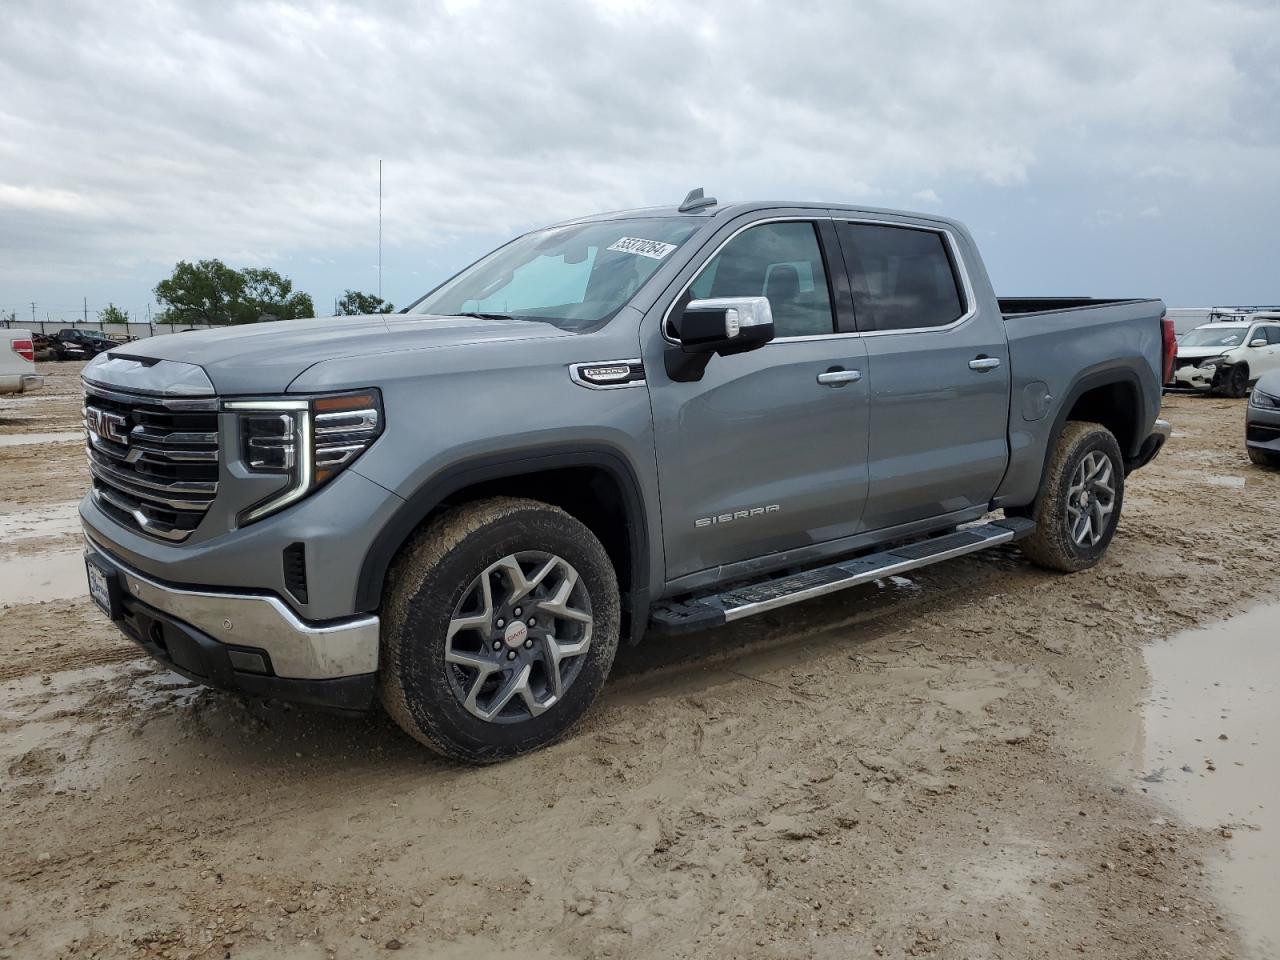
[1262, 428]
[1194, 378]
[250, 643]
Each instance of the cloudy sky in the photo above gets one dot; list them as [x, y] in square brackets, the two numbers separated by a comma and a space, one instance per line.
[1093, 148]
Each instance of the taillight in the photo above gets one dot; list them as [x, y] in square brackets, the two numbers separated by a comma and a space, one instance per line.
[1168, 347]
[25, 349]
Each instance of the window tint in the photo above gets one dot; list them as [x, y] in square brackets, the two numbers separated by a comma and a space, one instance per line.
[781, 261]
[902, 278]
[1273, 334]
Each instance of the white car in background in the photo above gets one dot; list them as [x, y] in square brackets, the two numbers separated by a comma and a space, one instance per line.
[1225, 358]
[18, 362]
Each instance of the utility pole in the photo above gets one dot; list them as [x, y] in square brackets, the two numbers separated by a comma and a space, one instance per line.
[86, 311]
[33, 311]
[379, 229]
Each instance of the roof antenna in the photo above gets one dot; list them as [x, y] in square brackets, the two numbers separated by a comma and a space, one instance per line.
[696, 201]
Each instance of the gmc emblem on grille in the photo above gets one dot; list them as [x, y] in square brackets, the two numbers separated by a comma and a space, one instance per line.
[107, 426]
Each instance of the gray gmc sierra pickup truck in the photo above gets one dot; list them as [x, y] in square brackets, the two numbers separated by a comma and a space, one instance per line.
[658, 419]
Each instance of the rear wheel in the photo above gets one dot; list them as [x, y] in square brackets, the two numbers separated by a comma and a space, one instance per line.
[500, 626]
[1080, 499]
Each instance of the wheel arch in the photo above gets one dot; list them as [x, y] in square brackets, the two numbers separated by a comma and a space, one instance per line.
[1111, 396]
[595, 484]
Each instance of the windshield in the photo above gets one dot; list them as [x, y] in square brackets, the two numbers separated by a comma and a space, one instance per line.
[575, 276]
[1215, 336]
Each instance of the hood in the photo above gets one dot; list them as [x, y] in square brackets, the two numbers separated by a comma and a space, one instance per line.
[1201, 353]
[267, 357]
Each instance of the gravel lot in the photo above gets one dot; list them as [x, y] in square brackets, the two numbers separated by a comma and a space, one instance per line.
[947, 766]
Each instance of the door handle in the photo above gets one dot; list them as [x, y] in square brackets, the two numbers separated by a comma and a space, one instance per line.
[984, 363]
[837, 377]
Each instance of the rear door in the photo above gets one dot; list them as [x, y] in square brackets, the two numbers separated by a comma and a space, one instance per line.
[938, 364]
[759, 455]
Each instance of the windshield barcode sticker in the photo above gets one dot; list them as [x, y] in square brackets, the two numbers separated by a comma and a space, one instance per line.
[653, 249]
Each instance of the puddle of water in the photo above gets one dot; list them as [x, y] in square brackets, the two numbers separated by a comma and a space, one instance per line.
[50, 576]
[1213, 725]
[23, 439]
[49, 520]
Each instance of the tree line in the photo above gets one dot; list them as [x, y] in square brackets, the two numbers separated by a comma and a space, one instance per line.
[210, 292]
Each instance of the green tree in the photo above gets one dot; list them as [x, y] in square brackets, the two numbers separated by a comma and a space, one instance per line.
[354, 303]
[269, 296]
[209, 291]
[113, 314]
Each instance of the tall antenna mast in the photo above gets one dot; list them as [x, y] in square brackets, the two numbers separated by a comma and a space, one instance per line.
[379, 229]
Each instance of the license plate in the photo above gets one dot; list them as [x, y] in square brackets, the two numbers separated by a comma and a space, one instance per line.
[100, 582]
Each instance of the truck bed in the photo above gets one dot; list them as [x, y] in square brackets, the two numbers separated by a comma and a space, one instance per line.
[1020, 306]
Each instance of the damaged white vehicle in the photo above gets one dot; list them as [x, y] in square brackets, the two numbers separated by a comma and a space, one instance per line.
[1226, 358]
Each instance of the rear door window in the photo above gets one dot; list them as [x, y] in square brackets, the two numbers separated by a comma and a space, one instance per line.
[903, 278]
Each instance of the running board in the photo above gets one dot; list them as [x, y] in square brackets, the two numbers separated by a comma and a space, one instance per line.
[749, 599]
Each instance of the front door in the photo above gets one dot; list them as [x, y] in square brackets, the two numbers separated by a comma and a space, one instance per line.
[759, 456]
[1264, 359]
[938, 365]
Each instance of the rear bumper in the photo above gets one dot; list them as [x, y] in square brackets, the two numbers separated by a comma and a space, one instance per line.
[1155, 441]
[249, 643]
[21, 383]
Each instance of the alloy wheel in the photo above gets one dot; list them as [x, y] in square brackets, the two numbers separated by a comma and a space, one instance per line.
[517, 637]
[1091, 499]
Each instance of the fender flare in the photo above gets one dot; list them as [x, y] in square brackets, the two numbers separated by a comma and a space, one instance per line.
[440, 486]
[1104, 375]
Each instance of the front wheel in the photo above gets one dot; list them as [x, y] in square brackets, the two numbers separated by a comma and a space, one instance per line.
[1080, 499]
[500, 625]
[1234, 382]
[1264, 458]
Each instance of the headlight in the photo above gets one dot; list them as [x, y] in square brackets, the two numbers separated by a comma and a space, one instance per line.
[1209, 363]
[309, 440]
[1260, 399]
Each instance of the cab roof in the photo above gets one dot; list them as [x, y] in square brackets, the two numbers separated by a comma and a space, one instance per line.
[726, 211]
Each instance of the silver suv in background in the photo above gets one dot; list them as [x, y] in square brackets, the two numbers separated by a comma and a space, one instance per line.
[661, 419]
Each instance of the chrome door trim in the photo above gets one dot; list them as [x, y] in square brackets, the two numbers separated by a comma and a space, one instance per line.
[953, 246]
[966, 284]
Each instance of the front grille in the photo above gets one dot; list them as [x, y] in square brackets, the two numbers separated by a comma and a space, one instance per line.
[154, 460]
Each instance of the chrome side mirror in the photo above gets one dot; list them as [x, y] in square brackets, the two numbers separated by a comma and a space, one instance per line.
[721, 325]
[724, 325]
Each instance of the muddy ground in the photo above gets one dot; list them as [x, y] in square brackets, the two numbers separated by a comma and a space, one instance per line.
[948, 766]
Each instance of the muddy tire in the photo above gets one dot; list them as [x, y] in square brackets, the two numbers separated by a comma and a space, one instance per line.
[500, 624]
[1081, 496]
[1263, 458]
[1233, 382]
